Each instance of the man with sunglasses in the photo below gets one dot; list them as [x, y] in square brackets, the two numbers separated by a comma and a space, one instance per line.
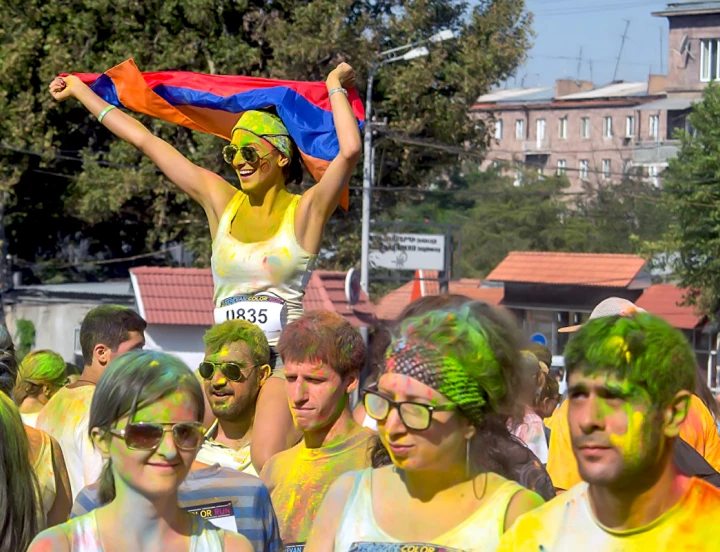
[323, 356]
[236, 366]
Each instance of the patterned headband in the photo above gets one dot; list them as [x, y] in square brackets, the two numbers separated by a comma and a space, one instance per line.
[420, 361]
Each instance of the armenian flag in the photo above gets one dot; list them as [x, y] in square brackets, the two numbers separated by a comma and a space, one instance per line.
[214, 103]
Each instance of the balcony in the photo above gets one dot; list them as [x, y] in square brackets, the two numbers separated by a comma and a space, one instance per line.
[653, 152]
[537, 147]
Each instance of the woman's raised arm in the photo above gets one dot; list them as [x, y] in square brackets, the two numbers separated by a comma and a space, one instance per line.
[320, 201]
[207, 188]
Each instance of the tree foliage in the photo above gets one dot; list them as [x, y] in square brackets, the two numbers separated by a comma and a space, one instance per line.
[692, 188]
[76, 189]
[496, 216]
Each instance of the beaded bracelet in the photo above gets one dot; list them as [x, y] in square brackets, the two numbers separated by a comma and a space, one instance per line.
[104, 112]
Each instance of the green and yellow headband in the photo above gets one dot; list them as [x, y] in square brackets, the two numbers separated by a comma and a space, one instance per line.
[267, 126]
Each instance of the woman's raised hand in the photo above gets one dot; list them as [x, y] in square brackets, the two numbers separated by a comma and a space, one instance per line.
[62, 88]
[345, 75]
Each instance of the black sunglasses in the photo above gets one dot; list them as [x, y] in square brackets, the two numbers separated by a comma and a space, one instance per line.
[233, 371]
[417, 416]
[149, 435]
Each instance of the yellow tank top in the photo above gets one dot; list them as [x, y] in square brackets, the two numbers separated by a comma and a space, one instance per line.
[249, 276]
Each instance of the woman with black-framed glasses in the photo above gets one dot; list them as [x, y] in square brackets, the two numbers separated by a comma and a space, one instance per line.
[146, 420]
[447, 381]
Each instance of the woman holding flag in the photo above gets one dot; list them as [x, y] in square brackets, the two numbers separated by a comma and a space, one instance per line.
[265, 239]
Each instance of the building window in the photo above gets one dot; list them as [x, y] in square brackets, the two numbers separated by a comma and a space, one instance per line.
[520, 129]
[561, 167]
[562, 128]
[606, 169]
[653, 174]
[498, 129]
[518, 178]
[584, 169]
[540, 130]
[630, 126]
[709, 60]
[655, 126]
[607, 127]
[585, 127]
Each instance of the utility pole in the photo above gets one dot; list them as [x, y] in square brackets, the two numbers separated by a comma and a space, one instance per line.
[622, 45]
[5, 276]
[579, 67]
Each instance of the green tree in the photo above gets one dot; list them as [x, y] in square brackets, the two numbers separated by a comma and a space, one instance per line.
[541, 214]
[74, 188]
[692, 188]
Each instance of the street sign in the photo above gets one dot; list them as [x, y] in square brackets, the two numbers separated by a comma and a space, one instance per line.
[538, 338]
[407, 251]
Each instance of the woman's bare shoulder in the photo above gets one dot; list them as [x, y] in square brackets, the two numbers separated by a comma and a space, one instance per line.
[51, 540]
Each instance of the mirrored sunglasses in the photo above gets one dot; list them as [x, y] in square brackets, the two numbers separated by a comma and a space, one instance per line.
[149, 435]
[233, 371]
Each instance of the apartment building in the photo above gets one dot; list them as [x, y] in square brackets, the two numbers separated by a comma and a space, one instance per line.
[599, 133]
[573, 128]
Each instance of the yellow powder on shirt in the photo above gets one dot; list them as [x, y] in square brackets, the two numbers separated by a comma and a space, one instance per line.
[298, 479]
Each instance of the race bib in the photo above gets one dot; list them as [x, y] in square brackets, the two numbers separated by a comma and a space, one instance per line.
[220, 514]
[399, 547]
[266, 311]
[295, 547]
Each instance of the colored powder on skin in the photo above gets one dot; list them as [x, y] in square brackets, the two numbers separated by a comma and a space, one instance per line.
[631, 442]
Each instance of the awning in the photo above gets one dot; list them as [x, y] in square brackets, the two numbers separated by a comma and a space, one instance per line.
[669, 104]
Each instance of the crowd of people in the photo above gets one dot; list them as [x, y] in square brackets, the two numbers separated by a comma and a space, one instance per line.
[462, 438]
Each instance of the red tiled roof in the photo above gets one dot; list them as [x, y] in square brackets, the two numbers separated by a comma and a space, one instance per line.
[663, 300]
[326, 291]
[184, 296]
[390, 306]
[580, 269]
[166, 295]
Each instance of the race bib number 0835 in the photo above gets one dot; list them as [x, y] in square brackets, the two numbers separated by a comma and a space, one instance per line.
[268, 312]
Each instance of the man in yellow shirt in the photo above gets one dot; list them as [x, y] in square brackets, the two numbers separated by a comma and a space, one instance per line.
[629, 381]
[323, 355]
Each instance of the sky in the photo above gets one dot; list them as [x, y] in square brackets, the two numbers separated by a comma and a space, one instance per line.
[562, 27]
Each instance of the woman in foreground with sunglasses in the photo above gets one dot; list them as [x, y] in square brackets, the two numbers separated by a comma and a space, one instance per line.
[145, 419]
[446, 378]
[265, 239]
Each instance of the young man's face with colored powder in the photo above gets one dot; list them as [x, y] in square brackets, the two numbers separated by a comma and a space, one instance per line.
[230, 400]
[317, 394]
[617, 435]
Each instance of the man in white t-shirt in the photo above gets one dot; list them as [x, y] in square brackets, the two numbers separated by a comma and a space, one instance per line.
[237, 363]
[106, 332]
[630, 380]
